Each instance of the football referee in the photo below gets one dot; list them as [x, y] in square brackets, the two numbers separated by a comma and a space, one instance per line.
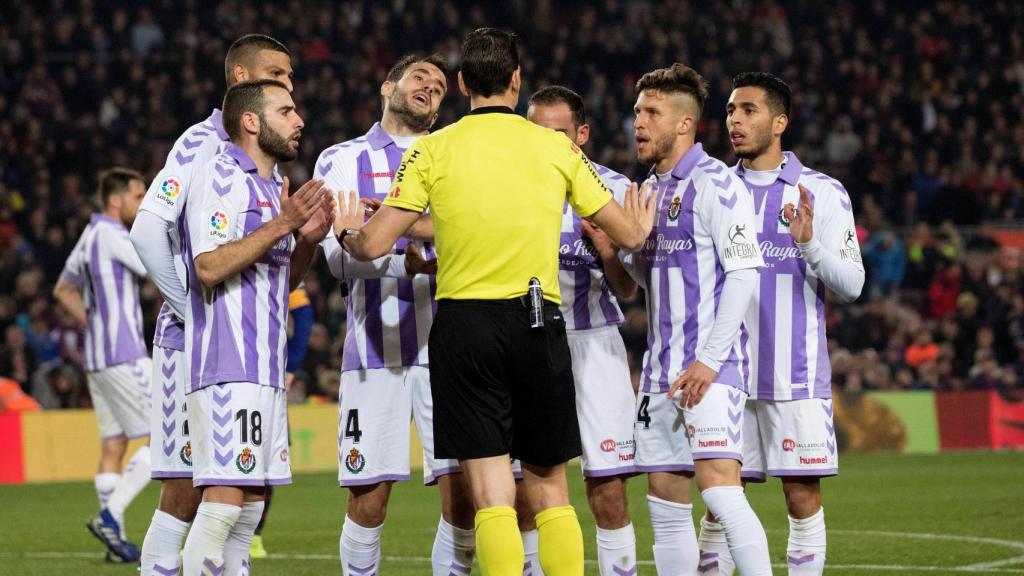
[501, 380]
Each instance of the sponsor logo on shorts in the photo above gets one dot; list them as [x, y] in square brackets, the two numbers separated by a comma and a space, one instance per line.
[712, 443]
[788, 445]
[355, 461]
[186, 453]
[284, 455]
[608, 445]
[246, 461]
[821, 460]
[626, 457]
[691, 431]
[705, 431]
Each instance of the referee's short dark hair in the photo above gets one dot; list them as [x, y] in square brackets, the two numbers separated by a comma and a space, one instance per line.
[550, 95]
[244, 97]
[403, 64]
[777, 92]
[243, 50]
[677, 78]
[489, 56]
[116, 181]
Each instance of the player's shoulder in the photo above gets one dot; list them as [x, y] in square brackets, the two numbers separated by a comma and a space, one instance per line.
[195, 145]
[710, 173]
[612, 179]
[344, 150]
[824, 187]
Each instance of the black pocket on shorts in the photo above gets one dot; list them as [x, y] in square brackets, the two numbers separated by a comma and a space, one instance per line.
[558, 343]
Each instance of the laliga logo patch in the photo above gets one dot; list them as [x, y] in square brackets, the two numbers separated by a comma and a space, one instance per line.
[673, 208]
[355, 461]
[219, 225]
[186, 453]
[169, 190]
[788, 445]
[246, 461]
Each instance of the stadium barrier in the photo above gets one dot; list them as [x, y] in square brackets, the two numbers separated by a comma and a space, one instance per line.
[64, 446]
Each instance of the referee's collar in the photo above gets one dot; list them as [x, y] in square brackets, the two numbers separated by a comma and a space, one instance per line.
[491, 110]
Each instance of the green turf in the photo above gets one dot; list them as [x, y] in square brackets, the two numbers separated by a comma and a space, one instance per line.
[946, 508]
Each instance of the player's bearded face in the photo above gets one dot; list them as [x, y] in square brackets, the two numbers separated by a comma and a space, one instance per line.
[753, 141]
[417, 96]
[276, 145]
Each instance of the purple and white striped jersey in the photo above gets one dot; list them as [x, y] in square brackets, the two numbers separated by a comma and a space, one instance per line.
[237, 331]
[705, 228]
[587, 301]
[166, 199]
[104, 265]
[786, 322]
[388, 314]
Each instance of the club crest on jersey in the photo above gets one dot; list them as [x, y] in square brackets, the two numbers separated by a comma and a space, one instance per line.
[782, 216]
[673, 208]
[246, 461]
[169, 190]
[219, 225]
[186, 453]
[355, 462]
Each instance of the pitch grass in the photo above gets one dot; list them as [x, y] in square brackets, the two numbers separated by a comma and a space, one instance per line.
[971, 495]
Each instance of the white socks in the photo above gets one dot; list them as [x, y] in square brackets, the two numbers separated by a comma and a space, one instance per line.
[360, 549]
[531, 563]
[236, 548]
[162, 546]
[616, 551]
[453, 550]
[805, 551]
[134, 479]
[715, 558]
[106, 482]
[747, 541]
[675, 541]
[204, 548]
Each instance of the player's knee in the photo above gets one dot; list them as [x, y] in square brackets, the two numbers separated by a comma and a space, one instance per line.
[458, 502]
[180, 499]
[368, 507]
[608, 502]
[803, 496]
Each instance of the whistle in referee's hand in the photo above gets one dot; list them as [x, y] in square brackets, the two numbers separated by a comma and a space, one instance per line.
[535, 295]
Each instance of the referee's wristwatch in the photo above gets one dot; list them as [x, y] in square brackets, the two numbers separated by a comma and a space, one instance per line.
[346, 232]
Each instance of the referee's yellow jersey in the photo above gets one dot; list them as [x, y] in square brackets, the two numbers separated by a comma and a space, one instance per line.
[496, 185]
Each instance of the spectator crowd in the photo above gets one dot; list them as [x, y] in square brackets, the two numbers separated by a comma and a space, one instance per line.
[915, 106]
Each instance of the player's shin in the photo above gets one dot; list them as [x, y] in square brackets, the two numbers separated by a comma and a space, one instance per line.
[715, 558]
[161, 550]
[675, 541]
[453, 550]
[805, 549]
[616, 550]
[236, 548]
[747, 540]
[136, 476]
[359, 548]
[204, 547]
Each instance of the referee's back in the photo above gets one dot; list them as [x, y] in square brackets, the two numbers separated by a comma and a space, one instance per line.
[496, 185]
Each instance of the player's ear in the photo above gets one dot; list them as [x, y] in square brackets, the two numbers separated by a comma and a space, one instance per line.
[462, 85]
[251, 122]
[779, 124]
[517, 80]
[387, 89]
[582, 135]
[239, 73]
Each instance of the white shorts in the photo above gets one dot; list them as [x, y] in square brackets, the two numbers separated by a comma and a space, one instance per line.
[374, 409]
[715, 425]
[789, 438]
[120, 395]
[604, 401]
[660, 433]
[171, 450]
[239, 435]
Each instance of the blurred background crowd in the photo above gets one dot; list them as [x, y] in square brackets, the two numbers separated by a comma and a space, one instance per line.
[915, 106]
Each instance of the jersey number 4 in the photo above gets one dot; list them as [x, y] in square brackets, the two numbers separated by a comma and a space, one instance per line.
[641, 414]
[352, 426]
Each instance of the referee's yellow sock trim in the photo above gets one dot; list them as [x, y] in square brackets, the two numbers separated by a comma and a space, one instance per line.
[499, 549]
[561, 542]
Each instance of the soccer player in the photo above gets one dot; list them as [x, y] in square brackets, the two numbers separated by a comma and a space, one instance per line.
[157, 240]
[384, 375]
[699, 266]
[500, 371]
[242, 263]
[99, 286]
[590, 276]
[806, 231]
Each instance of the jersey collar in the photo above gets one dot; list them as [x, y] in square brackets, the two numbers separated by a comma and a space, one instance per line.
[491, 110]
[218, 124]
[685, 165]
[248, 166]
[101, 217]
[378, 138]
[791, 169]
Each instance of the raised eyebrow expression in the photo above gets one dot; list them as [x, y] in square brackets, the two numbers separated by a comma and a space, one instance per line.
[422, 73]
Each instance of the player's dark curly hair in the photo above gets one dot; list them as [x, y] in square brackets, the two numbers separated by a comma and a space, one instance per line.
[777, 92]
[677, 78]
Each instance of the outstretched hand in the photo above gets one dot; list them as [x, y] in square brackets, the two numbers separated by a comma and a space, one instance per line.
[349, 213]
[642, 204]
[316, 228]
[298, 208]
[693, 383]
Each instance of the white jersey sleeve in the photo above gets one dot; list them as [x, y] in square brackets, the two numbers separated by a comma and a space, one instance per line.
[74, 272]
[728, 213]
[834, 251]
[119, 250]
[216, 208]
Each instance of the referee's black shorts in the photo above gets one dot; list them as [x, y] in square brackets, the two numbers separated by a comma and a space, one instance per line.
[499, 386]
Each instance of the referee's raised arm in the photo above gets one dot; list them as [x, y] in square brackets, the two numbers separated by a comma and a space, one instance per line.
[500, 369]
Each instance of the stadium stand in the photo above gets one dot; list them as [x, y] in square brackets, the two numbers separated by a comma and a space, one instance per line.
[915, 106]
